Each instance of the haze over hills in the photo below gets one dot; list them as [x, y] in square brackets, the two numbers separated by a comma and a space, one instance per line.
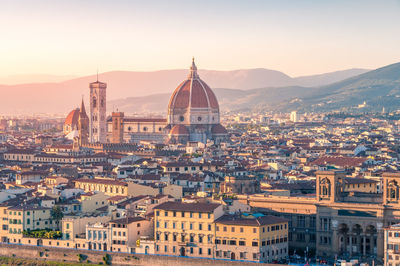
[62, 97]
[378, 88]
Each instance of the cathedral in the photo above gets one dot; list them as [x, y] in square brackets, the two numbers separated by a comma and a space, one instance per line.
[76, 126]
[193, 116]
[193, 112]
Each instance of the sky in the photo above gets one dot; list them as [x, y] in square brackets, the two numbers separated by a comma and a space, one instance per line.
[298, 37]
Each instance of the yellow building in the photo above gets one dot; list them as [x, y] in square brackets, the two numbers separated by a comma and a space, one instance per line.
[110, 187]
[20, 218]
[360, 185]
[186, 229]
[261, 239]
[126, 231]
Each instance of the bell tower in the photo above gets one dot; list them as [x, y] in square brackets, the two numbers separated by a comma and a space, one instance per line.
[83, 125]
[98, 125]
[329, 185]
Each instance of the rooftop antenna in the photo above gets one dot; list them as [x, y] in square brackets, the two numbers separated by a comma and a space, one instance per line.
[97, 75]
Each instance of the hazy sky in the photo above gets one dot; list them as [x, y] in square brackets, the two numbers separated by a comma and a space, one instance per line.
[75, 37]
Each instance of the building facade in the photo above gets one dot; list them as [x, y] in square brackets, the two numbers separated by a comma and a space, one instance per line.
[261, 239]
[186, 229]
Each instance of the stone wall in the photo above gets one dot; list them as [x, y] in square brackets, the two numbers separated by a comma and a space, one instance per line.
[71, 255]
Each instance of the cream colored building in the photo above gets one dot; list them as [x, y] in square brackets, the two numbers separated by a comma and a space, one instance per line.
[392, 245]
[261, 239]
[126, 231]
[186, 229]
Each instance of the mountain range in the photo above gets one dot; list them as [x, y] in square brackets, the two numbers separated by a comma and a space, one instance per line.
[131, 91]
[238, 90]
[379, 88]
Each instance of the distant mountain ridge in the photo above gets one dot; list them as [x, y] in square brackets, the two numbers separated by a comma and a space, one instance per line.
[379, 88]
[63, 96]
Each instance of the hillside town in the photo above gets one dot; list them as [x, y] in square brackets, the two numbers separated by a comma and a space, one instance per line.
[268, 187]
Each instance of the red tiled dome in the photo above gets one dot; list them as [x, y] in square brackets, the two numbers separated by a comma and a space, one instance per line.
[219, 129]
[193, 93]
[179, 130]
[72, 118]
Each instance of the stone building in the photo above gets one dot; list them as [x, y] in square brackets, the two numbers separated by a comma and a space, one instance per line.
[336, 221]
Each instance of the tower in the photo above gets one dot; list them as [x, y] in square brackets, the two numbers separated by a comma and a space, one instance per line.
[117, 127]
[98, 125]
[329, 185]
[83, 125]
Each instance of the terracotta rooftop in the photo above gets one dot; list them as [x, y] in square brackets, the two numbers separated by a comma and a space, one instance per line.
[192, 207]
[259, 221]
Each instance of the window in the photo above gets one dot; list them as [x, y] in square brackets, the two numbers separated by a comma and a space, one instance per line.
[242, 243]
[301, 221]
[209, 227]
[200, 251]
[183, 214]
[217, 241]
[254, 230]
[232, 242]
[165, 213]
[232, 229]
[225, 229]
[254, 244]
[200, 226]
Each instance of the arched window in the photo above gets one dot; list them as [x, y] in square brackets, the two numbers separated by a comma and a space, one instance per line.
[94, 102]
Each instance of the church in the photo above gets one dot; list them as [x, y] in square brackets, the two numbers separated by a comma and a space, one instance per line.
[192, 116]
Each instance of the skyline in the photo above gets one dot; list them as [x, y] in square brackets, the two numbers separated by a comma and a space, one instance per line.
[296, 37]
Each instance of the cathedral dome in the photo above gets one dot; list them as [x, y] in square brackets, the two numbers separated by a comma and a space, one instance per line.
[193, 102]
[193, 93]
[72, 118]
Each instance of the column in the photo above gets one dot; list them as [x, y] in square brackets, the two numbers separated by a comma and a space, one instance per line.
[335, 237]
[379, 240]
[351, 244]
[364, 244]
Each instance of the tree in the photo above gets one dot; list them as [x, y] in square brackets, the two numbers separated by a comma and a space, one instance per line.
[57, 215]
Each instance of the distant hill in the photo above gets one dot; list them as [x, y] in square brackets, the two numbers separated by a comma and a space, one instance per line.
[378, 88]
[125, 86]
